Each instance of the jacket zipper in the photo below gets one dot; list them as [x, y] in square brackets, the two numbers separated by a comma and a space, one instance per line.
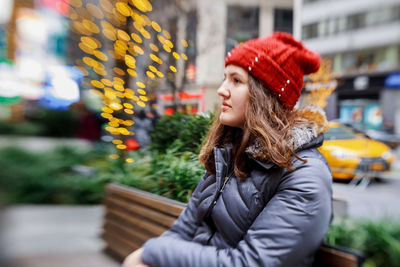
[208, 214]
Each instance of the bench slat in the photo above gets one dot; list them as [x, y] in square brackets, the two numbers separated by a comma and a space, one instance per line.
[133, 208]
[132, 232]
[168, 206]
[118, 247]
[137, 221]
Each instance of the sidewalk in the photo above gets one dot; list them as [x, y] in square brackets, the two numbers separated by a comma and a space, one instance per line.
[49, 236]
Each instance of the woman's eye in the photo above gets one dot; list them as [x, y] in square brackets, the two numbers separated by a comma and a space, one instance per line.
[236, 80]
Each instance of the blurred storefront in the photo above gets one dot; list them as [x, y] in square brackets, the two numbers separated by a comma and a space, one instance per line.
[362, 38]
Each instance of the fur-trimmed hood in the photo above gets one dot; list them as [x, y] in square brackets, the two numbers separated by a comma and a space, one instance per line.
[301, 136]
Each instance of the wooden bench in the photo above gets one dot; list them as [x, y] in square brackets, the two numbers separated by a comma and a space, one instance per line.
[133, 216]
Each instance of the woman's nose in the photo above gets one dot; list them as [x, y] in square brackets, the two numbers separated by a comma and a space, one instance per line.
[223, 91]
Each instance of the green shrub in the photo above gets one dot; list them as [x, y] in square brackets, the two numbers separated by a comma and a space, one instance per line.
[27, 177]
[181, 132]
[175, 176]
[378, 240]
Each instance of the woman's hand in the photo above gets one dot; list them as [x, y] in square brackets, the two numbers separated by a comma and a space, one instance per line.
[135, 259]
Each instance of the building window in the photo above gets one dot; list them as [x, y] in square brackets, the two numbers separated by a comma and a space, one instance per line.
[283, 20]
[310, 31]
[242, 25]
[356, 21]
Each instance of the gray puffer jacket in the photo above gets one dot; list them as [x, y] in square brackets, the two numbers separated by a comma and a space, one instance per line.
[275, 217]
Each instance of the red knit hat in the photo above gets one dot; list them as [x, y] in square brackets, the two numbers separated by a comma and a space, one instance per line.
[279, 62]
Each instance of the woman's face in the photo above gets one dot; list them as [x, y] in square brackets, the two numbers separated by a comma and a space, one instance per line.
[234, 92]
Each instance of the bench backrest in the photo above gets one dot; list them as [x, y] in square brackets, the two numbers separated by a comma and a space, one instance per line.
[133, 216]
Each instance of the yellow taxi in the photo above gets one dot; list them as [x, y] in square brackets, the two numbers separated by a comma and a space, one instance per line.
[349, 153]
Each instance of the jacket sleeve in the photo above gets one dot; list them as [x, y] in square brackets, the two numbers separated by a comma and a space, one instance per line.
[185, 226]
[290, 228]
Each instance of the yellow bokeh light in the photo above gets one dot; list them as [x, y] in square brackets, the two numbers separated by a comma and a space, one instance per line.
[155, 58]
[142, 5]
[141, 85]
[121, 45]
[100, 71]
[160, 74]
[176, 55]
[119, 87]
[89, 25]
[153, 47]
[78, 26]
[107, 25]
[75, 3]
[106, 115]
[150, 74]
[89, 42]
[94, 11]
[167, 48]
[136, 38]
[169, 43]
[113, 124]
[141, 91]
[145, 33]
[114, 156]
[123, 131]
[85, 48]
[128, 111]
[118, 80]
[116, 106]
[129, 123]
[184, 56]
[106, 82]
[166, 34]
[106, 5]
[161, 38]
[129, 160]
[130, 61]
[117, 141]
[132, 72]
[123, 8]
[172, 68]
[121, 146]
[185, 43]
[119, 71]
[123, 35]
[138, 49]
[107, 110]
[141, 104]
[128, 105]
[146, 19]
[144, 98]
[153, 69]
[109, 34]
[100, 55]
[156, 26]
[97, 84]
[110, 94]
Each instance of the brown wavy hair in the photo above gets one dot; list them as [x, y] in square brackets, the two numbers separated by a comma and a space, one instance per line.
[267, 123]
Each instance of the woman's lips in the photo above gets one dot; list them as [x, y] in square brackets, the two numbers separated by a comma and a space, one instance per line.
[225, 106]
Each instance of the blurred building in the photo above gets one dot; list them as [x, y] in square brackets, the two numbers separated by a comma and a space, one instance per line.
[362, 37]
[212, 28]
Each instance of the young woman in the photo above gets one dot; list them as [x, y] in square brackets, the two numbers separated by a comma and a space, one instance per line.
[265, 199]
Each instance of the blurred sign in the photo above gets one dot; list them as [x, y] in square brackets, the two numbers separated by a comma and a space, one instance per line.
[361, 82]
[393, 80]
